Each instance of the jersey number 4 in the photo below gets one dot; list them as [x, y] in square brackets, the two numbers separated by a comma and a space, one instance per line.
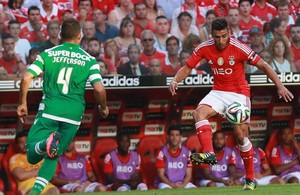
[64, 78]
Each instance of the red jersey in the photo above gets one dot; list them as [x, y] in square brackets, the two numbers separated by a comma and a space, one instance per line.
[227, 65]
[10, 66]
[266, 13]
[139, 29]
[104, 5]
[245, 27]
[144, 59]
[294, 9]
[28, 33]
[275, 155]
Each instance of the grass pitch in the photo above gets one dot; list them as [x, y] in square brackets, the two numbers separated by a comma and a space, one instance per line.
[287, 189]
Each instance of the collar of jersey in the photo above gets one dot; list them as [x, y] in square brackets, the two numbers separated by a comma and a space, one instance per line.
[71, 44]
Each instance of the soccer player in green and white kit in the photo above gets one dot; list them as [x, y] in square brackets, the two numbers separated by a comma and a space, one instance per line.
[66, 69]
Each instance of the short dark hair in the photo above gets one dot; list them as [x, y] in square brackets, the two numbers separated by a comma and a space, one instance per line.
[174, 128]
[172, 38]
[34, 50]
[51, 22]
[211, 11]
[219, 24]
[274, 23]
[185, 13]
[13, 22]
[94, 39]
[70, 29]
[121, 135]
[6, 36]
[21, 134]
[217, 132]
[161, 17]
[241, 1]
[33, 8]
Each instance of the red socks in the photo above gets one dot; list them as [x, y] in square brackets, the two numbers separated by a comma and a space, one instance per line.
[204, 134]
[248, 158]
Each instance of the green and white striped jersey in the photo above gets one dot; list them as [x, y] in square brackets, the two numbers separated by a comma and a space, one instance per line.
[66, 69]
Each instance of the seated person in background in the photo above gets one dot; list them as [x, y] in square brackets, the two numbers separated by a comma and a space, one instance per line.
[285, 159]
[33, 53]
[10, 60]
[221, 174]
[173, 163]
[53, 30]
[132, 67]
[122, 167]
[103, 67]
[74, 173]
[154, 67]
[172, 62]
[262, 169]
[24, 172]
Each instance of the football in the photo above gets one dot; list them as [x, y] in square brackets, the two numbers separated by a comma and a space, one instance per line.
[237, 113]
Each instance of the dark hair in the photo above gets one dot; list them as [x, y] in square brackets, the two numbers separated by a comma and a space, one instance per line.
[94, 39]
[184, 14]
[184, 50]
[21, 134]
[124, 22]
[219, 24]
[121, 135]
[172, 38]
[11, 4]
[70, 29]
[218, 132]
[13, 22]
[6, 36]
[139, 3]
[209, 12]
[275, 23]
[85, 0]
[241, 1]
[282, 129]
[34, 50]
[282, 3]
[161, 17]
[33, 8]
[174, 128]
[51, 22]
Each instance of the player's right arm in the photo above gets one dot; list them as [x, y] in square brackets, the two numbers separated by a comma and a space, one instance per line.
[182, 73]
[22, 108]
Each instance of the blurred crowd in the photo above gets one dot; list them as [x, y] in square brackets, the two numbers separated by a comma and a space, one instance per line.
[148, 37]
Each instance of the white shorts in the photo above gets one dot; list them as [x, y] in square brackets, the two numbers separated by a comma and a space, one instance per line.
[262, 181]
[71, 187]
[219, 100]
[125, 187]
[204, 182]
[290, 175]
[162, 185]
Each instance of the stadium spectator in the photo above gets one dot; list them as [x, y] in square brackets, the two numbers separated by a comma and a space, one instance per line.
[282, 57]
[74, 173]
[34, 30]
[10, 60]
[152, 10]
[266, 56]
[125, 9]
[294, 8]
[263, 173]
[33, 53]
[222, 8]
[220, 174]
[24, 172]
[169, 6]
[184, 26]
[191, 42]
[111, 52]
[172, 62]
[284, 12]
[256, 38]
[17, 10]
[103, 67]
[89, 32]
[95, 50]
[277, 28]
[22, 46]
[162, 33]
[215, 51]
[66, 14]
[133, 67]
[53, 30]
[105, 6]
[247, 21]
[154, 67]
[126, 37]
[295, 44]
[193, 9]
[104, 30]
[49, 11]
[140, 21]
[285, 156]
[205, 30]
[85, 11]
[264, 10]
[234, 24]
[173, 164]
[118, 162]
[149, 51]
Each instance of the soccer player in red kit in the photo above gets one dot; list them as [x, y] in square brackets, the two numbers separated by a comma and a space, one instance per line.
[226, 57]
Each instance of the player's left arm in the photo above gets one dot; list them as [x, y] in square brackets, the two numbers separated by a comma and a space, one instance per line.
[282, 91]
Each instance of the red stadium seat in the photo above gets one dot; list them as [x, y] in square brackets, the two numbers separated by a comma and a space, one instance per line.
[102, 147]
[193, 144]
[147, 148]
[273, 141]
[12, 184]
